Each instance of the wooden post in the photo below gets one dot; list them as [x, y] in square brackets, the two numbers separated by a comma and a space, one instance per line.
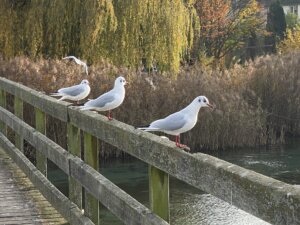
[40, 125]
[74, 144]
[3, 127]
[18, 107]
[91, 157]
[159, 192]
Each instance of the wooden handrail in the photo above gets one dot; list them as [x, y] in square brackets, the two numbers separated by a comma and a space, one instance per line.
[262, 196]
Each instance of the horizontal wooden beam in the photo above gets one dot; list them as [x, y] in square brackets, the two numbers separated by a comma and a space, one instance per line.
[262, 196]
[67, 208]
[47, 147]
[105, 191]
[126, 208]
[47, 104]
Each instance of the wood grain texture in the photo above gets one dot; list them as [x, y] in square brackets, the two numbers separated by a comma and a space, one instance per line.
[20, 201]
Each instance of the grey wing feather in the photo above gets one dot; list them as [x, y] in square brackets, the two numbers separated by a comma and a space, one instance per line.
[73, 91]
[172, 122]
[101, 101]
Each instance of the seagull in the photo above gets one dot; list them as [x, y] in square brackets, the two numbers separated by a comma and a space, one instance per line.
[109, 100]
[78, 61]
[181, 121]
[74, 93]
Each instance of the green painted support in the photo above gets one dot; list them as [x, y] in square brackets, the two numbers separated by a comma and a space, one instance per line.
[159, 192]
[40, 125]
[18, 107]
[91, 157]
[3, 127]
[74, 144]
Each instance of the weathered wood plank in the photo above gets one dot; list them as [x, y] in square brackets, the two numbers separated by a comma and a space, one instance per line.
[18, 108]
[74, 147]
[68, 209]
[122, 205]
[18, 208]
[243, 188]
[40, 125]
[47, 104]
[3, 127]
[43, 144]
[91, 157]
[159, 192]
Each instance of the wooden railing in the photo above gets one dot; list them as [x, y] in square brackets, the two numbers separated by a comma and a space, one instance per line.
[264, 197]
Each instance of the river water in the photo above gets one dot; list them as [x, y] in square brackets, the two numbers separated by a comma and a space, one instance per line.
[190, 206]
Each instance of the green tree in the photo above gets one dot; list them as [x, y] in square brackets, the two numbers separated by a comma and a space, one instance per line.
[126, 32]
[225, 27]
[292, 20]
[276, 26]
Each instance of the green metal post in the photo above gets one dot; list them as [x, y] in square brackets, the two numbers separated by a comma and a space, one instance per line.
[18, 107]
[159, 192]
[3, 127]
[75, 189]
[91, 157]
[40, 125]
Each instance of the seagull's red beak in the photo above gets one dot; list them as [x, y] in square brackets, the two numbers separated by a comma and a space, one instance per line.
[210, 106]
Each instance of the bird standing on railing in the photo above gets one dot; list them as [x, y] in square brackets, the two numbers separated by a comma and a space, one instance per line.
[109, 100]
[181, 121]
[74, 93]
[78, 61]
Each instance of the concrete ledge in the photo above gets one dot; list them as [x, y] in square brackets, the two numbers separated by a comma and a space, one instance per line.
[47, 104]
[67, 208]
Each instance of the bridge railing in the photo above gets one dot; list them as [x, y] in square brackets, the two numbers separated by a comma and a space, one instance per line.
[264, 197]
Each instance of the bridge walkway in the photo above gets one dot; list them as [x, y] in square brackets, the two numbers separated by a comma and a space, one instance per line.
[20, 201]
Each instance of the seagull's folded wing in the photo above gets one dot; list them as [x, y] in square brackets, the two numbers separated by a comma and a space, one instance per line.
[101, 101]
[171, 123]
[72, 91]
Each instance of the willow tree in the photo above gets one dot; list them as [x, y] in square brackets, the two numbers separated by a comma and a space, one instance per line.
[156, 32]
[126, 32]
[12, 19]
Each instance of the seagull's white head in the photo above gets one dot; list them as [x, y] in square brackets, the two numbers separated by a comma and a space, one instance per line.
[120, 81]
[85, 82]
[202, 101]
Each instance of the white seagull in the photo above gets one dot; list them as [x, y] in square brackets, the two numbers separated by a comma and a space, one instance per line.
[109, 100]
[78, 61]
[181, 121]
[74, 93]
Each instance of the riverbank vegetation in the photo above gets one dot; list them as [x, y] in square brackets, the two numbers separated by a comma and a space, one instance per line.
[214, 48]
[256, 104]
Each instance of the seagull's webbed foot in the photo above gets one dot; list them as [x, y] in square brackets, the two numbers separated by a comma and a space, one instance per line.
[184, 147]
[180, 145]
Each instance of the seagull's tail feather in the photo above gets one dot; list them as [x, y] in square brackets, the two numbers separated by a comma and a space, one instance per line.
[142, 127]
[148, 128]
[84, 108]
[55, 94]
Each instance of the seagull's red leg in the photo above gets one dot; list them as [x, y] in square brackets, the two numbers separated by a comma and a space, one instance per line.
[109, 116]
[177, 140]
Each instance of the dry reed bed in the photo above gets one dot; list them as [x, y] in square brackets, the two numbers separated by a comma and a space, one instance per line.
[255, 104]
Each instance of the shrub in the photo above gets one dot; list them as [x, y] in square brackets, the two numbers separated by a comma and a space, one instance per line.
[254, 103]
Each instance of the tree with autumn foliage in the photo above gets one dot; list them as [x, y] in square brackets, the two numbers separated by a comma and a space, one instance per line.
[291, 41]
[225, 25]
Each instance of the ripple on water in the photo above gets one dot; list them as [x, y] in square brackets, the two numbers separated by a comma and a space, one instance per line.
[204, 209]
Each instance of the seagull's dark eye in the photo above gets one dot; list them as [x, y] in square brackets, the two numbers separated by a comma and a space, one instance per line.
[199, 100]
[204, 100]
